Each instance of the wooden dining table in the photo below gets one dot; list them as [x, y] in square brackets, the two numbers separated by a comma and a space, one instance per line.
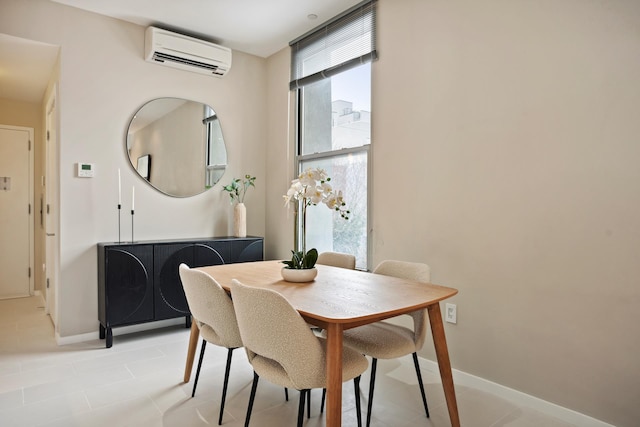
[340, 299]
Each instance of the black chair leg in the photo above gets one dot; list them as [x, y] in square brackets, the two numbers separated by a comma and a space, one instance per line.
[356, 384]
[372, 384]
[424, 397]
[195, 381]
[303, 394]
[286, 394]
[226, 382]
[252, 397]
[309, 404]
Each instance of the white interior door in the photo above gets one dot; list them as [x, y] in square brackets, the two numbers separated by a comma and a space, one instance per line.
[16, 226]
[51, 209]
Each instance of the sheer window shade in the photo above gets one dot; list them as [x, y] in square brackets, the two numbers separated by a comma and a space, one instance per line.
[346, 41]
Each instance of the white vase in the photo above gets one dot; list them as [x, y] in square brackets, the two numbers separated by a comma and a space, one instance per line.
[240, 220]
[299, 275]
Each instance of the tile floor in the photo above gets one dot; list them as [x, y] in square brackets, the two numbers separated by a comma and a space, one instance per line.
[138, 382]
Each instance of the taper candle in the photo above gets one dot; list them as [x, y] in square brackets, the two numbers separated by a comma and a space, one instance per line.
[133, 198]
[119, 189]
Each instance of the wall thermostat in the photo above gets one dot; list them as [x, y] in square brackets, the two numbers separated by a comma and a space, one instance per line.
[86, 170]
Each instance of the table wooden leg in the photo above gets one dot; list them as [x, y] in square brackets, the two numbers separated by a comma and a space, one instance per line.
[444, 364]
[191, 351]
[334, 375]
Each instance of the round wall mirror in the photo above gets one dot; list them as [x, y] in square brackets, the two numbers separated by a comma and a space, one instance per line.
[176, 145]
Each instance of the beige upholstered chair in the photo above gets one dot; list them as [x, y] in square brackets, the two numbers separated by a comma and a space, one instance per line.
[213, 312]
[282, 349]
[383, 340]
[337, 259]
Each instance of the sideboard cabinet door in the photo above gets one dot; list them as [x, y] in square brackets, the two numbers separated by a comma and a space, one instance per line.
[125, 287]
[246, 250]
[170, 300]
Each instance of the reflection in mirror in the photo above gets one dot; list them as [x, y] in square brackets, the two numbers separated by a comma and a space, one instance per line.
[177, 146]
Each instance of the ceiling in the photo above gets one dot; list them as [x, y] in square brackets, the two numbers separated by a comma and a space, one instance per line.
[258, 27]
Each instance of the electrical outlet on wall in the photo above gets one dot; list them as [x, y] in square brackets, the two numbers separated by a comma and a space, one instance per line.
[451, 313]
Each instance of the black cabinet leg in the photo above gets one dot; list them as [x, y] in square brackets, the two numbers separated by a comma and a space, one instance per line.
[187, 321]
[102, 332]
[109, 342]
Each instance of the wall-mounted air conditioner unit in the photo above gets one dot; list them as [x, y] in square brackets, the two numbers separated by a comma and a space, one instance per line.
[187, 53]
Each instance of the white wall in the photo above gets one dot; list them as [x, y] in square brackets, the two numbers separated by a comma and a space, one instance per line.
[280, 156]
[103, 81]
[506, 156]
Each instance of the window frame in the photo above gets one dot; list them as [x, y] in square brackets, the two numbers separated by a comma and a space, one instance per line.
[299, 159]
[344, 42]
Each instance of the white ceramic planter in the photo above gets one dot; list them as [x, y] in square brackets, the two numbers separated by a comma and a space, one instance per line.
[299, 275]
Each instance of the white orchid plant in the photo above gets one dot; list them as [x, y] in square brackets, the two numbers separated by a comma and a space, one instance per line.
[311, 188]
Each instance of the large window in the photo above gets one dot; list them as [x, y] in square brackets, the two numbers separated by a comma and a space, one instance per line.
[331, 72]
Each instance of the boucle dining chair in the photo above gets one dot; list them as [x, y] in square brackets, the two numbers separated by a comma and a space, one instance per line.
[384, 340]
[213, 312]
[282, 349]
[337, 259]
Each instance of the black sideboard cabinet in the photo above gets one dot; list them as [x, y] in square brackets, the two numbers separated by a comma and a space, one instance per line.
[139, 282]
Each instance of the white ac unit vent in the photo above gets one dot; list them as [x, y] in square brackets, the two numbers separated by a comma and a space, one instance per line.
[187, 53]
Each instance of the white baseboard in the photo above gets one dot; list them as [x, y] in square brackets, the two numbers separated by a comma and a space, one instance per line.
[122, 330]
[74, 339]
[518, 397]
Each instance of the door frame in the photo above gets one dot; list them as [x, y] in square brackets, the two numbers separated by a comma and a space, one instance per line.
[51, 247]
[30, 214]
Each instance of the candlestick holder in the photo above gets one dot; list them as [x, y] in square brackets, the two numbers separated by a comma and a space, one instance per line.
[119, 212]
[132, 216]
